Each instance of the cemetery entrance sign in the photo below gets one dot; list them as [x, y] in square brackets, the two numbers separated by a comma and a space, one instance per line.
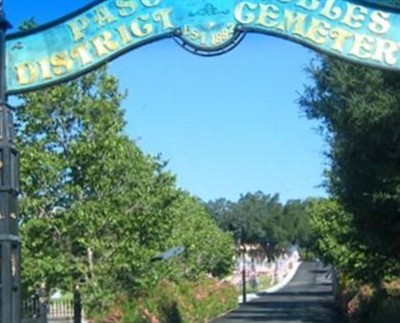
[366, 31]
[363, 31]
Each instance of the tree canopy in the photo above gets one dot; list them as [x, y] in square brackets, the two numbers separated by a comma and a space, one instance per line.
[261, 218]
[359, 112]
[94, 208]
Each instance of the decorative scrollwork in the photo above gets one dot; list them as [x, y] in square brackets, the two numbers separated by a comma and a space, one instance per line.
[208, 10]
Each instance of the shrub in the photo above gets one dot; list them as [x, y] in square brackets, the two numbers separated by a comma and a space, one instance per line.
[392, 288]
[359, 307]
[373, 304]
[172, 302]
[388, 307]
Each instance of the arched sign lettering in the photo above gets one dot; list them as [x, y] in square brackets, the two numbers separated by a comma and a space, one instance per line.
[367, 32]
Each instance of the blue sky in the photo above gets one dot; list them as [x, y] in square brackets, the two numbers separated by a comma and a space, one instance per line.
[227, 124]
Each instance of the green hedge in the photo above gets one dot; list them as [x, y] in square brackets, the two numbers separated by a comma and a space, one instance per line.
[170, 302]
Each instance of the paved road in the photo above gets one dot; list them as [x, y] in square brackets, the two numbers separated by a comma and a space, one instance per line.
[307, 299]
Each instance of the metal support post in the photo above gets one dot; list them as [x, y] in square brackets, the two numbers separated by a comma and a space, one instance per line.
[10, 280]
[77, 305]
[43, 303]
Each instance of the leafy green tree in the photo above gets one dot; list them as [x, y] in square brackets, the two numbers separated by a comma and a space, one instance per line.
[259, 218]
[359, 114]
[208, 248]
[221, 211]
[296, 223]
[334, 241]
[94, 208]
[255, 215]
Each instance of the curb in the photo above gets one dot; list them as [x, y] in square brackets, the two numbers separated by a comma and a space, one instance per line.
[284, 281]
[273, 289]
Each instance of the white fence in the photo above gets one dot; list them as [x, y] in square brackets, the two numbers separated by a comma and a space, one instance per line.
[58, 311]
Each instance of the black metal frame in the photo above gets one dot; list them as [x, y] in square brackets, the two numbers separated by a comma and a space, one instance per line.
[10, 247]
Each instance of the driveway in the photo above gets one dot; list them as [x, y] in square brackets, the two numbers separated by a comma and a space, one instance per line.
[307, 298]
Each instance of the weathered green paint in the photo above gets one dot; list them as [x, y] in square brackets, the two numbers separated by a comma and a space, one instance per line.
[361, 31]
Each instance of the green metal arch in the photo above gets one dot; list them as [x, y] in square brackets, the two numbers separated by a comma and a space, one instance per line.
[362, 31]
